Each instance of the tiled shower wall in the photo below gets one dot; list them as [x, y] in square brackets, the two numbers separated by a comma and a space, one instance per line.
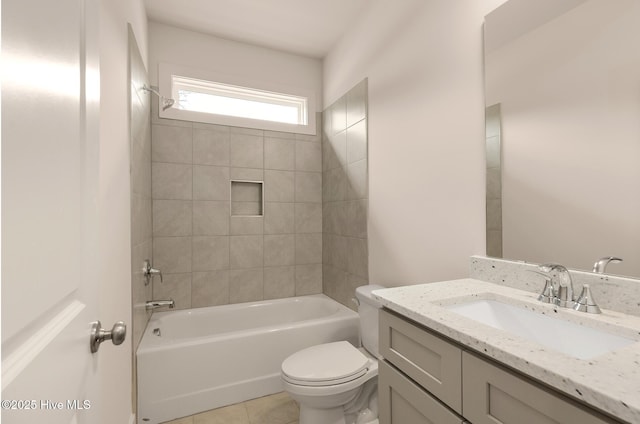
[140, 162]
[345, 195]
[209, 257]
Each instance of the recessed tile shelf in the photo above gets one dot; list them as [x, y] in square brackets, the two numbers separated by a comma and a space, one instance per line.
[247, 198]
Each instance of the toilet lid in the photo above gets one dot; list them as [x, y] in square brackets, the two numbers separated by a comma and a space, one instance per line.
[325, 364]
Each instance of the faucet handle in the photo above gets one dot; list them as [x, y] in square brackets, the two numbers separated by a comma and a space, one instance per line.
[148, 271]
[548, 294]
[585, 302]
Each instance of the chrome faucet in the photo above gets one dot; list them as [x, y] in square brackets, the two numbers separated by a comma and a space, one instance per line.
[155, 304]
[600, 265]
[562, 284]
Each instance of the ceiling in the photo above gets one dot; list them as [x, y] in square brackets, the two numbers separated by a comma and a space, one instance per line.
[304, 27]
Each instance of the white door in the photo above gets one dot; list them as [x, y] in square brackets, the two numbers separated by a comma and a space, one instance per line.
[50, 106]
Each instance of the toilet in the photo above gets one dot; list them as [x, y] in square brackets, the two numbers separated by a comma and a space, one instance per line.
[337, 383]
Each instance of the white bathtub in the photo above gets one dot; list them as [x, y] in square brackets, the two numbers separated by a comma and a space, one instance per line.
[210, 357]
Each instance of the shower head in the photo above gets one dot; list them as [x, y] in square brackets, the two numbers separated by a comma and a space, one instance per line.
[166, 102]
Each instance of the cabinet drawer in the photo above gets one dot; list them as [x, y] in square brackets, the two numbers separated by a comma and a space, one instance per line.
[432, 362]
[493, 395]
[404, 402]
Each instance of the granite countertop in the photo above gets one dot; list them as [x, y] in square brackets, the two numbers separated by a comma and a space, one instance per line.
[609, 382]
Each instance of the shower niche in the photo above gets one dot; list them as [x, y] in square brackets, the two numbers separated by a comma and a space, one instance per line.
[247, 198]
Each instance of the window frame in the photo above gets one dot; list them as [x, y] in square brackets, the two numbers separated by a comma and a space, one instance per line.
[166, 72]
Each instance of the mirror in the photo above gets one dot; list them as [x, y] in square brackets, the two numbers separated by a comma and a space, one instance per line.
[562, 80]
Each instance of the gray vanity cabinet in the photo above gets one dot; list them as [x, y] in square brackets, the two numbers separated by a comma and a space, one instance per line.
[426, 379]
[432, 362]
[493, 395]
[402, 401]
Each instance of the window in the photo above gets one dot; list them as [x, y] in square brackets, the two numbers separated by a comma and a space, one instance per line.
[266, 102]
[243, 102]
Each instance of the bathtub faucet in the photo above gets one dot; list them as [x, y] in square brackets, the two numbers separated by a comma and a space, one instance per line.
[154, 304]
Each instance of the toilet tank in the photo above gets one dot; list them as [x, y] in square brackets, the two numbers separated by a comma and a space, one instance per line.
[368, 308]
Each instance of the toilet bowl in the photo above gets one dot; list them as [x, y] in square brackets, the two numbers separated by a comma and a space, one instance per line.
[336, 383]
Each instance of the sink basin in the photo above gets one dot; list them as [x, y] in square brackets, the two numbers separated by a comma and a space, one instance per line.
[563, 336]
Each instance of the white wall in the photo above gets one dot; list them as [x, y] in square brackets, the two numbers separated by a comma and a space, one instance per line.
[423, 59]
[114, 198]
[168, 44]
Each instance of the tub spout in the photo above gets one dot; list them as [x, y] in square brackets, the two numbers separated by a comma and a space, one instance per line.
[154, 304]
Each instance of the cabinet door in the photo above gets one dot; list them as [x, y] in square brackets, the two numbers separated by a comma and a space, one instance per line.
[401, 401]
[432, 362]
[493, 395]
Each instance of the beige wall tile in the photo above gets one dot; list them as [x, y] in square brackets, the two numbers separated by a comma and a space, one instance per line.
[279, 250]
[247, 174]
[246, 131]
[278, 218]
[279, 134]
[338, 143]
[356, 103]
[211, 146]
[329, 155]
[171, 181]
[244, 191]
[308, 217]
[279, 186]
[172, 217]
[210, 218]
[245, 285]
[246, 209]
[141, 229]
[176, 287]
[172, 254]
[308, 248]
[335, 251]
[357, 257]
[334, 187]
[334, 217]
[209, 288]
[246, 252]
[308, 279]
[308, 156]
[357, 176]
[211, 183]
[171, 144]
[339, 115]
[210, 253]
[279, 154]
[356, 224]
[357, 142]
[247, 225]
[308, 187]
[140, 292]
[279, 282]
[246, 151]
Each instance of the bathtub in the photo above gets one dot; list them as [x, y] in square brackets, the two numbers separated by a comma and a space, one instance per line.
[194, 360]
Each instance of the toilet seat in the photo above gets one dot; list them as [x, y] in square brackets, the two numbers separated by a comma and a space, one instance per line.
[325, 365]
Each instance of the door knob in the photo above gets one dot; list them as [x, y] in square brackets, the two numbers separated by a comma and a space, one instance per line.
[98, 334]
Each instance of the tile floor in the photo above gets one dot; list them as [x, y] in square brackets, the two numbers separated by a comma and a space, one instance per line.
[274, 409]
